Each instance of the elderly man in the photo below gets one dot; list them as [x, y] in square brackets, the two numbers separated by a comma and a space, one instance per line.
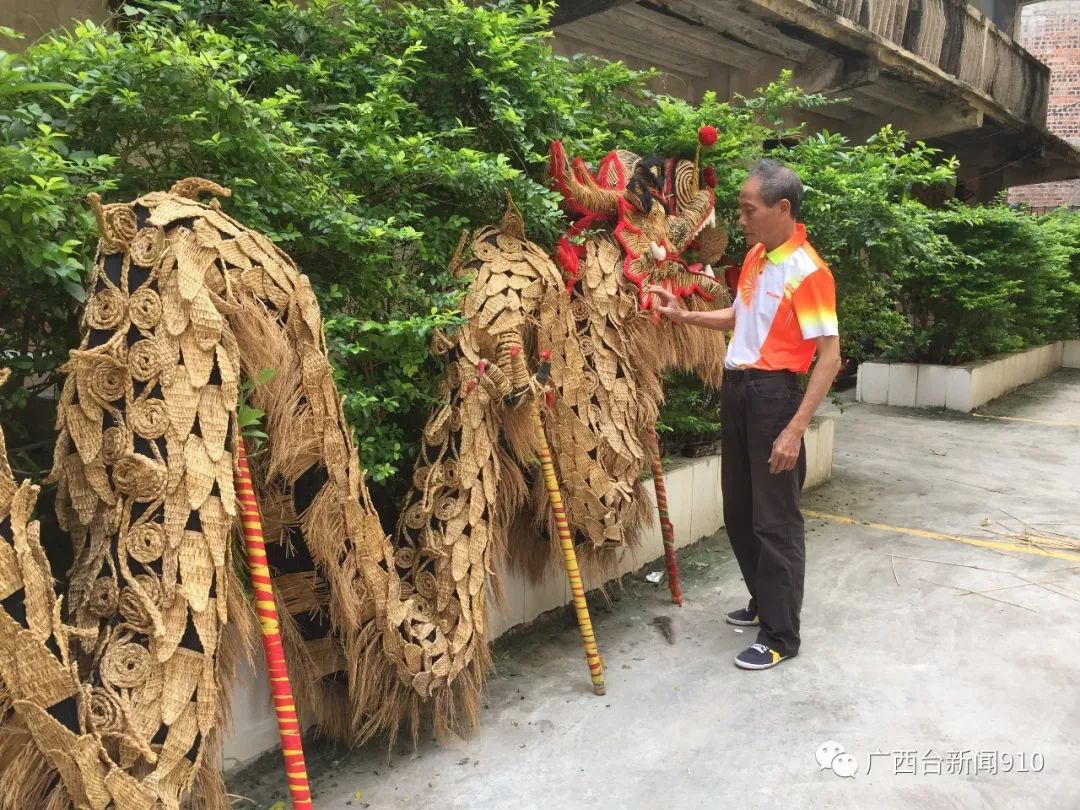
[784, 313]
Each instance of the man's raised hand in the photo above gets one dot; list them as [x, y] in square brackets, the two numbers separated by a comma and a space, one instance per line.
[666, 303]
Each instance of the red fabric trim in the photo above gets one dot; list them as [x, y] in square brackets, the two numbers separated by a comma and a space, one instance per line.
[611, 158]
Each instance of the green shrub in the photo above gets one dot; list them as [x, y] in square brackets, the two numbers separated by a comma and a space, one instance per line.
[1004, 285]
[363, 136]
[1060, 231]
[690, 413]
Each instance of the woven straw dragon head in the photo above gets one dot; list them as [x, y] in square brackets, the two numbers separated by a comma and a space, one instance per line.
[662, 216]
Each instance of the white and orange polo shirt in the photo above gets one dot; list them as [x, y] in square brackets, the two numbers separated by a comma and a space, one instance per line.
[786, 298]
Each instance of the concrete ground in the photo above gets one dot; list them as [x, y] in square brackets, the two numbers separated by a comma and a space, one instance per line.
[901, 663]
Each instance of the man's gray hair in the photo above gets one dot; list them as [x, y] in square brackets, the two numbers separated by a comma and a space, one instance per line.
[778, 182]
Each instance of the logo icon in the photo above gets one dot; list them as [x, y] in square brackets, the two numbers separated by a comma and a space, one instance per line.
[832, 757]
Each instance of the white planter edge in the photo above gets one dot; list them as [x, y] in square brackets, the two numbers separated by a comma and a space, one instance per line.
[961, 388]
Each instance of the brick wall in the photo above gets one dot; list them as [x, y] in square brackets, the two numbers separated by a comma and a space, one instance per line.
[1051, 32]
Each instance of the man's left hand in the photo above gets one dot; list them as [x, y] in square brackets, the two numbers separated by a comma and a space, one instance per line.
[785, 450]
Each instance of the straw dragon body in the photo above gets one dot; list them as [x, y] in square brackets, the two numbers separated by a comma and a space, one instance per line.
[118, 699]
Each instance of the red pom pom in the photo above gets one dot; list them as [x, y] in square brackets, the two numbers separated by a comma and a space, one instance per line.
[707, 135]
[709, 176]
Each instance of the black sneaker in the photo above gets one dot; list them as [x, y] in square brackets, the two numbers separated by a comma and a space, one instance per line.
[743, 617]
[758, 656]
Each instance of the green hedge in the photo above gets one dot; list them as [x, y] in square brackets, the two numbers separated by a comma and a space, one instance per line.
[1009, 280]
[363, 136]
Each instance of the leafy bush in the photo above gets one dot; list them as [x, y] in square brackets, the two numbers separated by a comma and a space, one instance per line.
[363, 136]
[1003, 284]
[1060, 231]
[690, 413]
[924, 284]
[44, 251]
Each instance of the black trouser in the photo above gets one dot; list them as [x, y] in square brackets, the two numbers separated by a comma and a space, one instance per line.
[761, 509]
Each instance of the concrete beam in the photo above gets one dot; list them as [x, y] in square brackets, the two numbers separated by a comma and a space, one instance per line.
[570, 10]
[896, 95]
[737, 26]
[836, 118]
[660, 27]
[586, 36]
[810, 19]
[933, 124]
[1024, 174]
[981, 152]
[942, 123]
[877, 100]
[828, 74]
[856, 100]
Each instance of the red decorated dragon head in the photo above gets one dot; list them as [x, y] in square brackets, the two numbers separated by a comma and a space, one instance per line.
[660, 212]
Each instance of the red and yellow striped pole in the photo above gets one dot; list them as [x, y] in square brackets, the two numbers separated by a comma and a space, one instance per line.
[666, 529]
[284, 705]
[577, 590]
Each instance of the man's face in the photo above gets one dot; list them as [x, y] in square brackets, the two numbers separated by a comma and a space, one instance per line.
[758, 220]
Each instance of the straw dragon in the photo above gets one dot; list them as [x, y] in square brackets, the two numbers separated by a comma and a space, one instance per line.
[116, 695]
